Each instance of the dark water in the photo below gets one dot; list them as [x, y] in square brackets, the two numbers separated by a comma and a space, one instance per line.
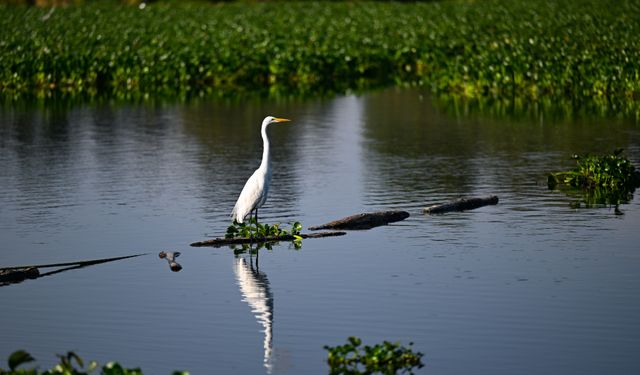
[530, 286]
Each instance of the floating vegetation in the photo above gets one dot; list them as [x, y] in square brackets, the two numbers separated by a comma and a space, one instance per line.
[265, 233]
[599, 171]
[351, 358]
[68, 364]
[601, 179]
[582, 50]
[385, 358]
[254, 229]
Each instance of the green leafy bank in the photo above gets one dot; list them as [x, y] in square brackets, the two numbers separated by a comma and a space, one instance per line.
[577, 49]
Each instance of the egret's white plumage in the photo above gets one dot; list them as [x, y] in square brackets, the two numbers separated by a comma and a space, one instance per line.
[255, 190]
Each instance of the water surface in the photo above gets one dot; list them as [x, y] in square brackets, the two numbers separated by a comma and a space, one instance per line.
[528, 286]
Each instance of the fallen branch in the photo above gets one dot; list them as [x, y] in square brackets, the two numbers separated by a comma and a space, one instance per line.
[217, 242]
[365, 220]
[461, 204]
[10, 275]
[79, 263]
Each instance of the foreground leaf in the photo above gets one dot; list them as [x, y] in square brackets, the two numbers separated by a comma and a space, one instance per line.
[18, 358]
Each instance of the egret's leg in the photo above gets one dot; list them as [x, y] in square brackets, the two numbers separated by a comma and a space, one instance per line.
[256, 221]
[247, 221]
[253, 234]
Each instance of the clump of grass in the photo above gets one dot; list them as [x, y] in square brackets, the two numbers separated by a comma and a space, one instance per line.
[385, 358]
[603, 179]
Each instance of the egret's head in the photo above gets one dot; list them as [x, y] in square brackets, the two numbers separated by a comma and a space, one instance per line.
[271, 120]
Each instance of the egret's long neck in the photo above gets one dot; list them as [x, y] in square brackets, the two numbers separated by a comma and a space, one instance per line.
[266, 158]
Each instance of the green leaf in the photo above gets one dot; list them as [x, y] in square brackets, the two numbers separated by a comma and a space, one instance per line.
[296, 228]
[72, 355]
[92, 366]
[355, 341]
[18, 358]
[112, 368]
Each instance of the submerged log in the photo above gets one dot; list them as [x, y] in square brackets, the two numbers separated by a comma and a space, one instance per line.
[17, 275]
[461, 204]
[171, 256]
[217, 242]
[365, 220]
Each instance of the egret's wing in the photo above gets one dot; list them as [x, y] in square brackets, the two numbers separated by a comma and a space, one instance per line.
[251, 195]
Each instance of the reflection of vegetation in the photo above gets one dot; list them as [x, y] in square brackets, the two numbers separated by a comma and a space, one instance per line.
[606, 179]
[549, 107]
[533, 49]
[254, 248]
[66, 366]
[385, 358]
[599, 197]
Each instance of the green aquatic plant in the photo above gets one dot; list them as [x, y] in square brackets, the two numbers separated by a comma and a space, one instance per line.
[68, 364]
[600, 179]
[385, 358]
[612, 171]
[261, 231]
[254, 229]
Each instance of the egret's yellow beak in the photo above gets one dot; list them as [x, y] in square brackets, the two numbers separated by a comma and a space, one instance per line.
[281, 119]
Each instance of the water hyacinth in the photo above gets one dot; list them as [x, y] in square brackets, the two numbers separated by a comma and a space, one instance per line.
[600, 179]
[572, 49]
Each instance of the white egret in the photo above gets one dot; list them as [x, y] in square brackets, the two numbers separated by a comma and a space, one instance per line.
[255, 190]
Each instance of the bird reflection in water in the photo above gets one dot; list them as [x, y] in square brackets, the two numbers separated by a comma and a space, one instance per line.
[256, 291]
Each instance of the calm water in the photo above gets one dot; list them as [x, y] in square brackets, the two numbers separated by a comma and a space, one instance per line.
[530, 286]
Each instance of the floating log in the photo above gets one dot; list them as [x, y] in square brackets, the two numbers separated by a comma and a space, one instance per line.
[365, 220]
[461, 204]
[217, 242]
[171, 256]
